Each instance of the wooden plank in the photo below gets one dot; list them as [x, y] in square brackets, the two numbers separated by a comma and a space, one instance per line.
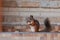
[1, 15]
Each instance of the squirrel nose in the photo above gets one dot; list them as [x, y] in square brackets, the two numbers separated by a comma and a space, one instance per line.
[29, 23]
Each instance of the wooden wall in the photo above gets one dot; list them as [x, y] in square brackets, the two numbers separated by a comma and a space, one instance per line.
[1, 15]
[30, 36]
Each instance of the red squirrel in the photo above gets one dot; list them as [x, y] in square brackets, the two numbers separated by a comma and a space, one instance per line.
[33, 24]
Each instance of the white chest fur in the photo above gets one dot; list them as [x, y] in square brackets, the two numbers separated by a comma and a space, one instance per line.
[32, 29]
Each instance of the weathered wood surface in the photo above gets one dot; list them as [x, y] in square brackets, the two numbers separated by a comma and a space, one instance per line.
[1, 17]
[29, 36]
[32, 3]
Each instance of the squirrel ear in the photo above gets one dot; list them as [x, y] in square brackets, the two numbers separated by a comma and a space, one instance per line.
[31, 15]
